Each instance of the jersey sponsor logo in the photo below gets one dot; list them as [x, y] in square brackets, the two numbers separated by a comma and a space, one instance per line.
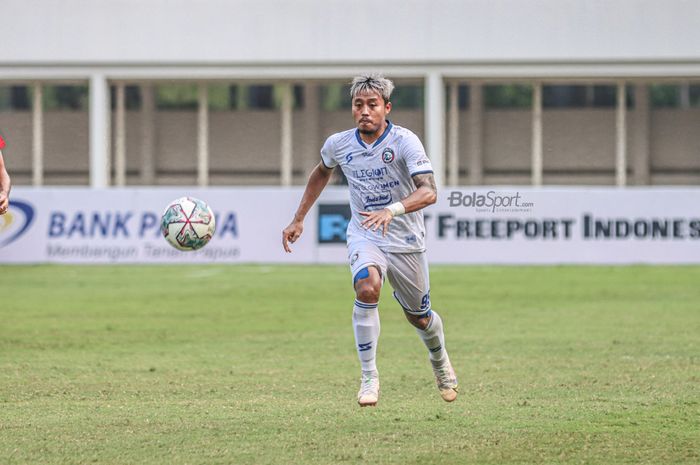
[333, 222]
[382, 186]
[411, 239]
[354, 258]
[375, 173]
[15, 222]
[388, 155]
[378, 200]
[423, 161]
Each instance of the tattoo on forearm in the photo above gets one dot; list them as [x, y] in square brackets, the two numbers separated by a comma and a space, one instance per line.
[425, 179]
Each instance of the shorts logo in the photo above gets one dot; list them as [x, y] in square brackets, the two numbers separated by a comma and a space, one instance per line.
[425, 301]
[387, 155]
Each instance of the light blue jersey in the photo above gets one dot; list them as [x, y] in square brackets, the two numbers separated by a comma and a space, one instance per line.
[379, 175]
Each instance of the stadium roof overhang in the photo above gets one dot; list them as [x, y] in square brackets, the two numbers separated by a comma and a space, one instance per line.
[514, 70]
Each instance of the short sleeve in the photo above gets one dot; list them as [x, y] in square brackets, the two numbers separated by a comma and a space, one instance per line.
[328, 154]
[417, 161]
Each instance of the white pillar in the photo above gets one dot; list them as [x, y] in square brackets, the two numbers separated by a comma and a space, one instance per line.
[286, 139]
[476, 164]
[641, 134]
[147, 135]
[435, 124]
[203, 136]
[99, 131]
[621, 136]
[38, 135]
[453, 135]
[120, 137]
[537, 162]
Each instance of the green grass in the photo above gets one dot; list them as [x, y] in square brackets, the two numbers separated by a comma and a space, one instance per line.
[256, 364]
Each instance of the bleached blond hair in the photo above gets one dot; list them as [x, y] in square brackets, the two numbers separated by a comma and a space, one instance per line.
[372, 82]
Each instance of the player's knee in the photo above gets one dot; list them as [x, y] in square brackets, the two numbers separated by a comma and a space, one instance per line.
[368, 284]
[367, 291]
[419, 321]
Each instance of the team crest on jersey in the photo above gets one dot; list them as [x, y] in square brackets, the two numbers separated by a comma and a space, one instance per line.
[387, 155]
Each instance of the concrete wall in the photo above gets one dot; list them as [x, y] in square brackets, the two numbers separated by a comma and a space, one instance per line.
[17, 129]
[337, 31]
[66, 160]
[675, 146]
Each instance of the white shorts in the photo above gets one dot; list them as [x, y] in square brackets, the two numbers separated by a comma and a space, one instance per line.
[407, 273]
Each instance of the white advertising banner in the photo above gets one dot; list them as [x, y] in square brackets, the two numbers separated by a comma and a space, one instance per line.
[518, 226]
[467, 225]
[81, 225]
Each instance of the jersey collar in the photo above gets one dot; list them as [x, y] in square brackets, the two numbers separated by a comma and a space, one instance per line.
[378, 141]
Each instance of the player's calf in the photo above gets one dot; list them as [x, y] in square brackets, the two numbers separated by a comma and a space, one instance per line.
[365, 322]
[430, 329]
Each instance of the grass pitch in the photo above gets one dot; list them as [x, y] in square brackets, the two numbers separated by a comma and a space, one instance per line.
[256, 364]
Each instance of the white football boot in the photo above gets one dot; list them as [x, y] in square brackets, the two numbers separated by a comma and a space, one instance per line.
[445, 378]
[368, 394]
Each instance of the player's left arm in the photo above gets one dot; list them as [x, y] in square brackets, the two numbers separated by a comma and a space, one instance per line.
[424, 195]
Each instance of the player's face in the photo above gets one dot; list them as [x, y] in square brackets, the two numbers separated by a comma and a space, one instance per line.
[369, 110]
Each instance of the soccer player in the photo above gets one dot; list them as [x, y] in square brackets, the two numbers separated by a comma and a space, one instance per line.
[4, 182]
[391, 181]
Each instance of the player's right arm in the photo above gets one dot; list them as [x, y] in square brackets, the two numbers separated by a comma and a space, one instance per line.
[5, 183]
[317, 182]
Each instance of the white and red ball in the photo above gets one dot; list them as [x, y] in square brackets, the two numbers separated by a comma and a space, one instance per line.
[188, 224]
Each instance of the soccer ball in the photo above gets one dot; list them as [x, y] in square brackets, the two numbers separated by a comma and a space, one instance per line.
[188, 224]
